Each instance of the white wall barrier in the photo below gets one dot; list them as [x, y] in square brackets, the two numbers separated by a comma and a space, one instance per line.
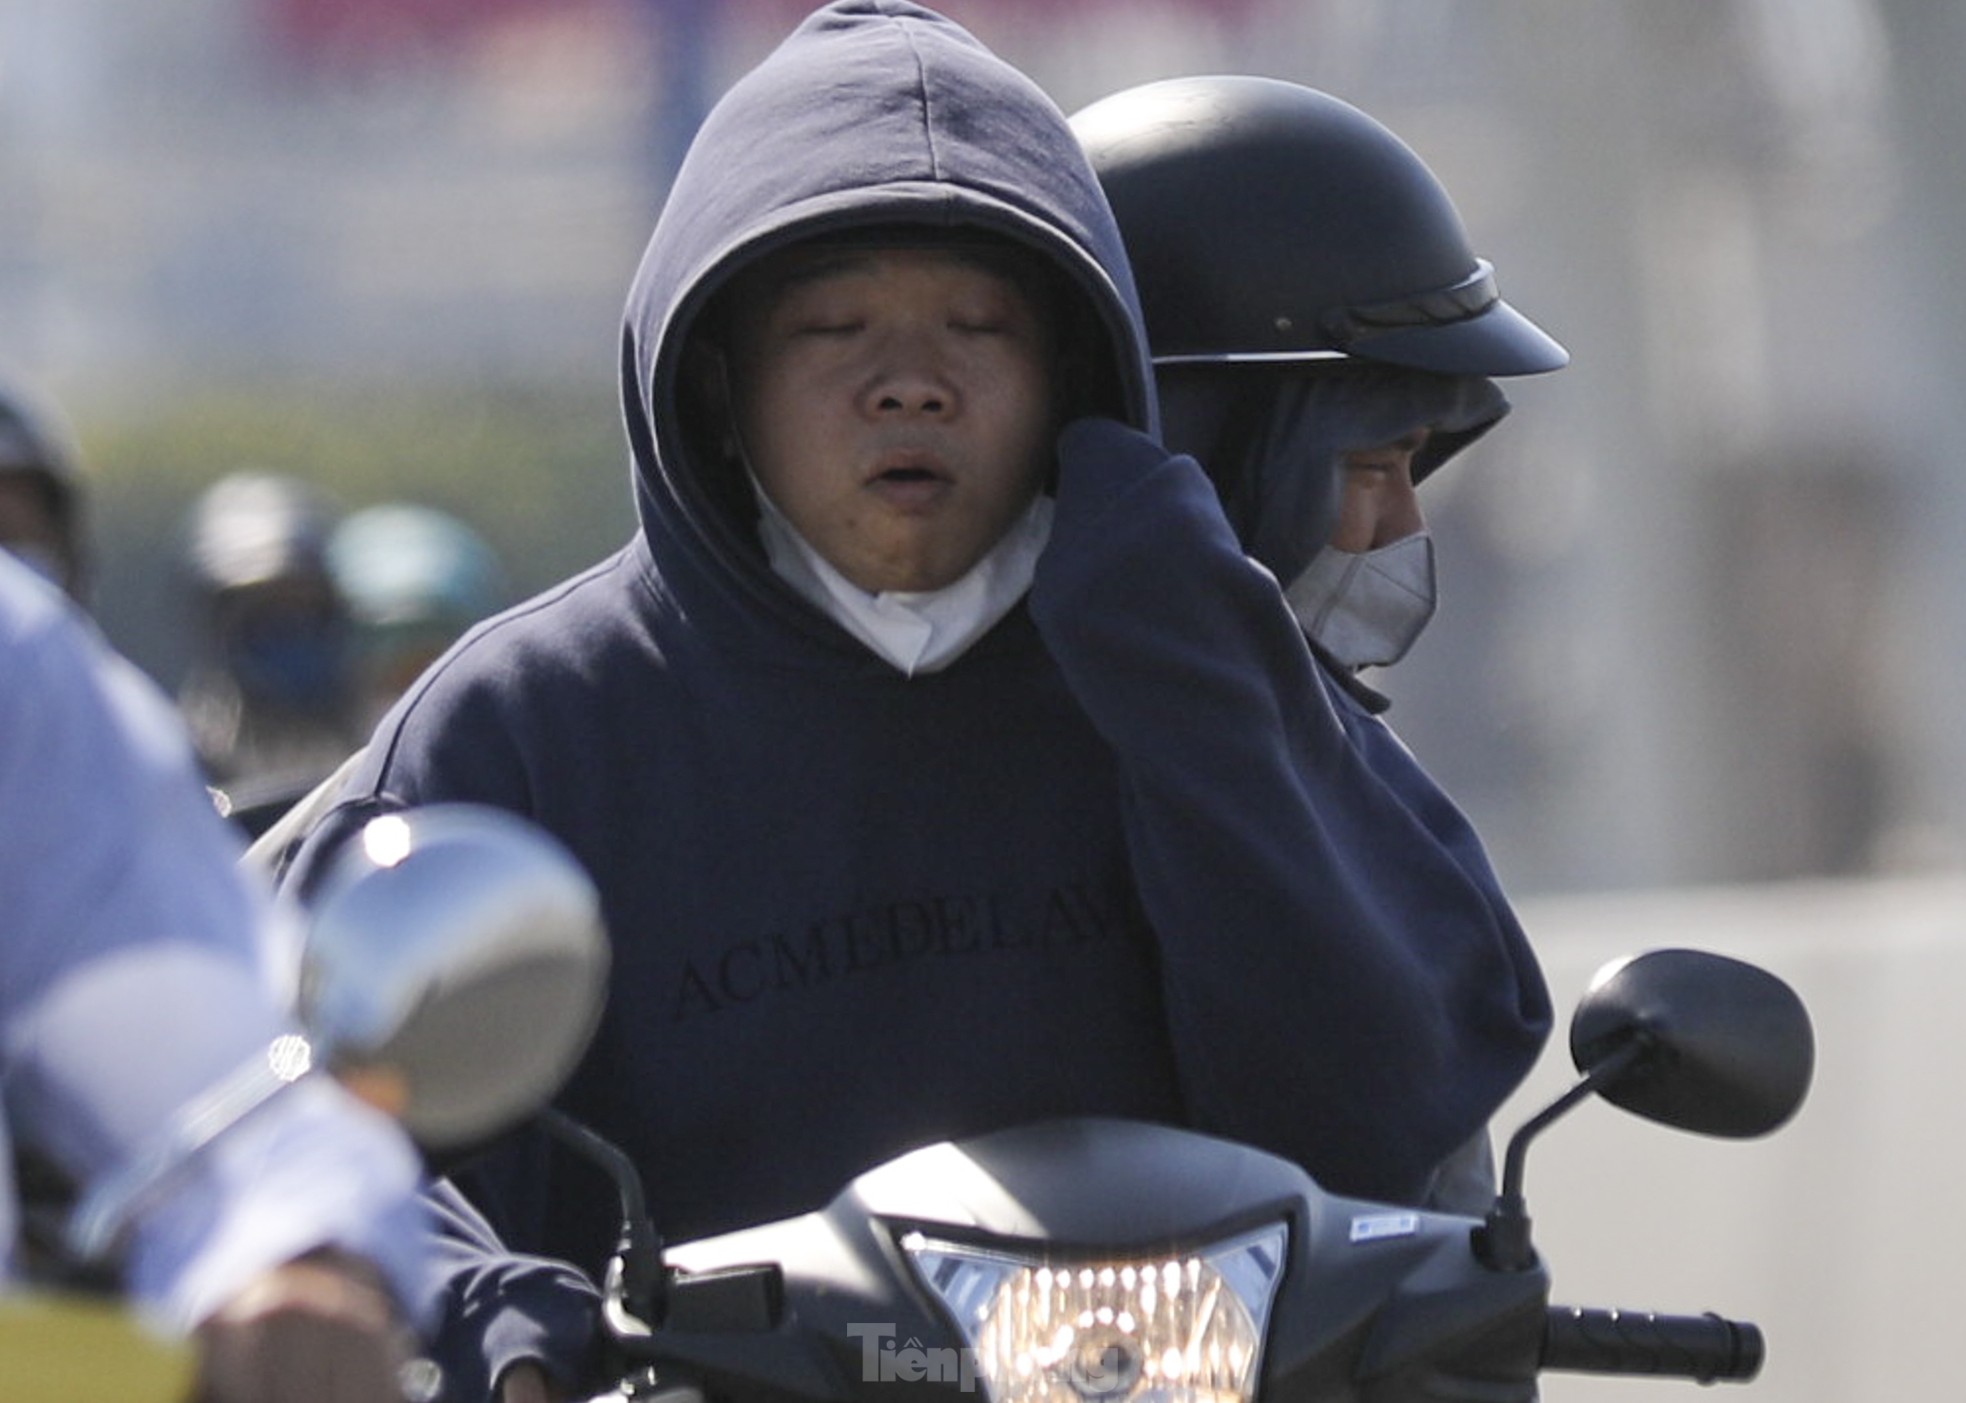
[1843, 1235]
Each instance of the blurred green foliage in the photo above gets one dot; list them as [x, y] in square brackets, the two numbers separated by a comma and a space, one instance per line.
[541, 471]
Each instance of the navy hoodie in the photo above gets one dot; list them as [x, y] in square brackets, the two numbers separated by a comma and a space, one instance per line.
[1119, 858]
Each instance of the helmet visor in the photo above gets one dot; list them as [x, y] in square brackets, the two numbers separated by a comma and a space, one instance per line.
[1465, 329]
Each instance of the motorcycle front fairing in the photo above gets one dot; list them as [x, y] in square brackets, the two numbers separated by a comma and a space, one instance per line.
[1096, 1261]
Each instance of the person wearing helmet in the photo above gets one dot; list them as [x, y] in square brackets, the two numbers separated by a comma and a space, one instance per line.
[270, 704]
[1324, 336]
[1324, 339]
[929, 742]
[40, 492]
[414, 579]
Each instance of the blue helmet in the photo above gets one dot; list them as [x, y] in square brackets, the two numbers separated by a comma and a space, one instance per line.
[401, 565]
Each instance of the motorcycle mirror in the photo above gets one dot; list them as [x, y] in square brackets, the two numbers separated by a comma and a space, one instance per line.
[453, 969]
[1729, 1050]
[1687, 1038]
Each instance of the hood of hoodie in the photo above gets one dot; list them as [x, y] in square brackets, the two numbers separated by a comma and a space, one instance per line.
[1273, 439]
[871, 113]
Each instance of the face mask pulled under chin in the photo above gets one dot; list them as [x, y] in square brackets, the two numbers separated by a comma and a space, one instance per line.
[1366, 610]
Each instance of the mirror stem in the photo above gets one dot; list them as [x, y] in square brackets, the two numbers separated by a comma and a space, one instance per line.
[109, 1209]
[1502, 1241]
[639, 1251]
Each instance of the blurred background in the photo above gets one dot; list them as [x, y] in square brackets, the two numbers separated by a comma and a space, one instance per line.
[1702, 613]
[1697, 670]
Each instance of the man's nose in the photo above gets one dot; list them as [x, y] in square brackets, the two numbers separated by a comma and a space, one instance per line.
[910, 379]
[1399, 513]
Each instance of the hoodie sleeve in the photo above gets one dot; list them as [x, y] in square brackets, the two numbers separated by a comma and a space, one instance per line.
[494, 1308]
[486, 1305]
[1344, 984]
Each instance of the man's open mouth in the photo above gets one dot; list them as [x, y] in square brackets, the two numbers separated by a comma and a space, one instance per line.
[911, 484]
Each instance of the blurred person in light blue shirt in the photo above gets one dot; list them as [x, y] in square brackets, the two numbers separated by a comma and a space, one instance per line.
[138, 970]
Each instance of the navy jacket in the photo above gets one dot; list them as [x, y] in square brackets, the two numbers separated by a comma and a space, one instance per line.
[1120, 857]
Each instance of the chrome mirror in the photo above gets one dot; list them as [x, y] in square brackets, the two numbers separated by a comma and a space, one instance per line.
[454, 969]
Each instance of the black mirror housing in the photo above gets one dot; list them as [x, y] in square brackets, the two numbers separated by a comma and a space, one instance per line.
[1730, 1046]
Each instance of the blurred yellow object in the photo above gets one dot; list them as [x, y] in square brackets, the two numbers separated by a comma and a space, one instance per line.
[74, 1349]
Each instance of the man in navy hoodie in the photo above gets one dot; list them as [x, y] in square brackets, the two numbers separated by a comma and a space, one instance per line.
[943, 761]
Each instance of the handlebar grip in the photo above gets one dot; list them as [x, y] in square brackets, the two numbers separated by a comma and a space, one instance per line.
[1708, 1348]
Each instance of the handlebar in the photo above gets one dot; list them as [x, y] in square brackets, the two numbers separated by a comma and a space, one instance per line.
[1707, 1348]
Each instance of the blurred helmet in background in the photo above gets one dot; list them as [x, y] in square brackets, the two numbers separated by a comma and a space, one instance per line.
[256, 550]
[252, 527]
[414, 578]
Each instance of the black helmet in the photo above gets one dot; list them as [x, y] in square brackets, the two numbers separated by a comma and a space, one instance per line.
[1267, 221]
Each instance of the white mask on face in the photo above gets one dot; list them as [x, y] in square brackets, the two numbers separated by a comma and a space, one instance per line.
[916, 631]
[1366, 610]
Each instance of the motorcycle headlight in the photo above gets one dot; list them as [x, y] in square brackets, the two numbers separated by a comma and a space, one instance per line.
[1184, 1328]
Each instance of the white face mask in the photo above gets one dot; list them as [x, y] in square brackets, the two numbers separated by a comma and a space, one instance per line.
[921, 631]
[1366, 610]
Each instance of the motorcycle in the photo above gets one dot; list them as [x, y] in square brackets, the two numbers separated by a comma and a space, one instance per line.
[434, 935]
[1107, 1261]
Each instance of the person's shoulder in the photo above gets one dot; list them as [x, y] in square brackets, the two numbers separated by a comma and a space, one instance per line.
[589, 610]
[1347, 690]
[55, 660]
[35, 617]
[566, 637]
